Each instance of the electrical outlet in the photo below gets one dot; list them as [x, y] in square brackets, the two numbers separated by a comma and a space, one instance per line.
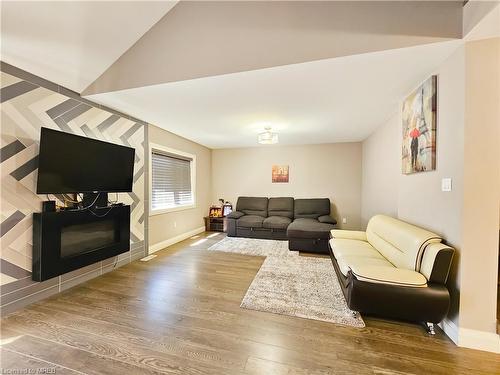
[344, 220]
[175, 224]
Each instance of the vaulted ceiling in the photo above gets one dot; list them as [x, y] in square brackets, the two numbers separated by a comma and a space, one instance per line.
[73, 42]
[331, 100]
[203, 38]
[217, 72]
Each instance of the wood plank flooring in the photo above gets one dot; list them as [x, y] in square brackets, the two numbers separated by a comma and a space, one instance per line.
[179, 314]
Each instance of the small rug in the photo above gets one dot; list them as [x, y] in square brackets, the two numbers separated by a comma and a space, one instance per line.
[305, 287]
[254, 246]
[289, 284]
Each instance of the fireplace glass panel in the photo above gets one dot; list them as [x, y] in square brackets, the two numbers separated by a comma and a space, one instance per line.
[82, 238]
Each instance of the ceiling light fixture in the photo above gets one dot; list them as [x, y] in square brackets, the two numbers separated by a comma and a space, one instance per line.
[268, 137]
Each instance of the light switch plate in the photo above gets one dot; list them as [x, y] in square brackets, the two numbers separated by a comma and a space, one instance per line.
[446, 184]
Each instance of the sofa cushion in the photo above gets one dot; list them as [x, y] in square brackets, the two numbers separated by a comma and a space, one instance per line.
[311, 208]
[235, 215]
[342, 248]
[252, 205]
[309, 228]
[345, 263]
[348, 234]
[250, 221]
[327, 219]
[401, 243]
[388, 275]
[367, 264]
[280, 207]
[276, 222]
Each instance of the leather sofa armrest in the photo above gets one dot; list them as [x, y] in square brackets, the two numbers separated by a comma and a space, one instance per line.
[348, 234]
[327, 219]
[389, 275]
[235, 215]
[436, 262]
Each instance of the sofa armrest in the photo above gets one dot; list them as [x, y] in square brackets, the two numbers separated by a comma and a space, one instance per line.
[348, 234]
[389, 275]
[327, 219]
[436, 262]
[235, 215]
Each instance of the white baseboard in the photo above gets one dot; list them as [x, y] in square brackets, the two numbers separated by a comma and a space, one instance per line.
[450, 329]
[181, 237]
[480, 340]
[471, 338]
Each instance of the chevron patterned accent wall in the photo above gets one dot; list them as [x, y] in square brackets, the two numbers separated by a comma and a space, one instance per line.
[25, 108]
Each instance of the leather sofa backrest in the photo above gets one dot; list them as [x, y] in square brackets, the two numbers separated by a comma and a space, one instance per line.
[311, 208]
[280, 207]
[400, 243]
[252, 205]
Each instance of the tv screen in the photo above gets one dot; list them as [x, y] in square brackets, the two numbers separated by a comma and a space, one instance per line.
[69, 163]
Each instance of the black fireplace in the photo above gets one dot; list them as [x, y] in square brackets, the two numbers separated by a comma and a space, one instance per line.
[66, 240]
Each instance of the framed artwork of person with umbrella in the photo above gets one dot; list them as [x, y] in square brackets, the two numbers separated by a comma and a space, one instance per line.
[419, 128]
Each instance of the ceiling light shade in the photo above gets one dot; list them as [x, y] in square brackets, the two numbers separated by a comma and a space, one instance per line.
[268, 137]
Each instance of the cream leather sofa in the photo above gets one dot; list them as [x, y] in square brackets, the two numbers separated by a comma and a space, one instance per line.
[394, 269]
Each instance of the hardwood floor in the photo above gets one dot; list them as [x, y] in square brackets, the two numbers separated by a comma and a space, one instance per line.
[179, 313]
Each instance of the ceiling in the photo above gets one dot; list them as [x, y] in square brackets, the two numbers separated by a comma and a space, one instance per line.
[334, 100]
[488, 24]
[72, 43]
[218, 73]
[199, 39]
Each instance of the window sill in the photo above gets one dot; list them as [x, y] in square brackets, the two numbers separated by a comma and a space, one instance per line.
[162, 211]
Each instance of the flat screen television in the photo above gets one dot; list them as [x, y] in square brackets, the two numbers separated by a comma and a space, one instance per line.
[69, 163]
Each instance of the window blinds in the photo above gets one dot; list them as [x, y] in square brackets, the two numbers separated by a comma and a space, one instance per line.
[171, 181]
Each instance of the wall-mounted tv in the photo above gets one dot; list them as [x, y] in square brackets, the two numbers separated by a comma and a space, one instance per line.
[69, 163]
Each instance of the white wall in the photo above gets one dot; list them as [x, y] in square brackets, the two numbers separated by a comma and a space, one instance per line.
[468, 151]
[380, 172]
[316, 171]
[417, 198]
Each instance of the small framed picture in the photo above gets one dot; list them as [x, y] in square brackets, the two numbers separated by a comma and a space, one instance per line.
[280, 173]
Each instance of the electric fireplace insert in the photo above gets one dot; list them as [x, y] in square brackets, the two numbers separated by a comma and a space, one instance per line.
[66, 240]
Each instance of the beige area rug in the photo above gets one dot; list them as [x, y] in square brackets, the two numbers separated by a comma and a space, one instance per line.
[254, 246]
[289, 284]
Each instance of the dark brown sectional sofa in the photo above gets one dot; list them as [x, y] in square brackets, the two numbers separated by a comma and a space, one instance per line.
[305, 223]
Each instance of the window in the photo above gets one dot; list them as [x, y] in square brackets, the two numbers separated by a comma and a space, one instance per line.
[172, 180]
